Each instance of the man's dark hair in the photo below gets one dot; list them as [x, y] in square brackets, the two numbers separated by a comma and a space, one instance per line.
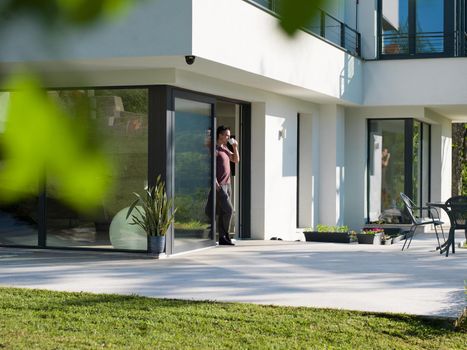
[221, 129]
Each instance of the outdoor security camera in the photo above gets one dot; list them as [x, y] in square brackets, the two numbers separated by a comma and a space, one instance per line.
[190, 59]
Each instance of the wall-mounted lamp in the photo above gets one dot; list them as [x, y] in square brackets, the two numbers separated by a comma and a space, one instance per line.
[282, 133]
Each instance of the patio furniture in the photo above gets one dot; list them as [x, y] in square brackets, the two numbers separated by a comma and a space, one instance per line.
[416, 215]
[456, 208]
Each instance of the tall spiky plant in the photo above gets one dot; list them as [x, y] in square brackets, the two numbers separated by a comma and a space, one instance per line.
[155, 211]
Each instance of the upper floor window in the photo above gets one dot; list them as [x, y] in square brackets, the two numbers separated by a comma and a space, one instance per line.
[418, 28]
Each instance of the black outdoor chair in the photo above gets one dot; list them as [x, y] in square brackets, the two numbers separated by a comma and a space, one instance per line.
[457, 211]
[417, 218]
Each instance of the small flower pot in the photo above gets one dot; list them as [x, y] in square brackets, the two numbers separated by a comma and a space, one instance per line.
[387, 241]
[398, 238]
[365, 238]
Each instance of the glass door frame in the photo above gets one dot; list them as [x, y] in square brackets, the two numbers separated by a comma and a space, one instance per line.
[162, 150]
[408, 159]
[191, 96]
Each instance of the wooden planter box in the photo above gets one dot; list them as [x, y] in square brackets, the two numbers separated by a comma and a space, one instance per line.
[365, 238]
[332, 237]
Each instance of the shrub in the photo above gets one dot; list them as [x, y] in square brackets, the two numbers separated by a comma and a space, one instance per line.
[328, 228]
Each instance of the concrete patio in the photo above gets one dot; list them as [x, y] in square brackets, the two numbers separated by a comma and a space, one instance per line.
[418, 281]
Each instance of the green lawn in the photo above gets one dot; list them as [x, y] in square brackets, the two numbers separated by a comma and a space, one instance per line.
[31, 319]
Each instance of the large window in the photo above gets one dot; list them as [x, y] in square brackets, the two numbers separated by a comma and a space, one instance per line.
[417, 28]
[119, 118]
[144, 132]
[398, 161]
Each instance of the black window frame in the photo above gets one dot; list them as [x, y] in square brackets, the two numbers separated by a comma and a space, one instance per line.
[162, 98]
[408, 159]
[451, 32]
[160, 156]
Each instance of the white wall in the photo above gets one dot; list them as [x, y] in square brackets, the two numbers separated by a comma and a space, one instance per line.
[281, 168]
[332, 165]
[355, 168]
[309, 170]
[430, 82]
[155, 27]
[441, 156]
[237, 34]
[258, 171]
[367, 26]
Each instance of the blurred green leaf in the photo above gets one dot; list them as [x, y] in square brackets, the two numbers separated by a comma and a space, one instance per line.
[75, 12]
[295, 14]
[85, 11]
[41, 140]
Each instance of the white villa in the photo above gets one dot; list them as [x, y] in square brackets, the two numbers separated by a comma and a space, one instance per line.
[316, 115]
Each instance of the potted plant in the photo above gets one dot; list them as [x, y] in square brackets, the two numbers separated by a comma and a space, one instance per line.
[386, 239]
[370, 236]
[328, 233]
[395, 233]
[155, 215]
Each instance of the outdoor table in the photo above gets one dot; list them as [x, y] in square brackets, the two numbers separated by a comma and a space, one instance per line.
[451, 236]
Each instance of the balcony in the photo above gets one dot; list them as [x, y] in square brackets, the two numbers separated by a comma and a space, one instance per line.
[423, 44]
[323, 26]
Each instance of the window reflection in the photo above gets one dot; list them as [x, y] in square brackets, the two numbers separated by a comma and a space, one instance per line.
[395, 26]
[387, 147]
[413, 27]
[429, 26]
[119, 119]
[193, 166]
[387, 168]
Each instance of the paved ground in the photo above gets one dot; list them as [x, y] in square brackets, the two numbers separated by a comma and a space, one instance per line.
[358, 277]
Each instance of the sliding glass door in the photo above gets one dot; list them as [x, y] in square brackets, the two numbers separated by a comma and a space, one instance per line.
[398, 161]
[193, 173]
[119, 120]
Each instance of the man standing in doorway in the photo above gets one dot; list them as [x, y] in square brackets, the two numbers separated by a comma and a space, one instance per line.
[223, 190]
